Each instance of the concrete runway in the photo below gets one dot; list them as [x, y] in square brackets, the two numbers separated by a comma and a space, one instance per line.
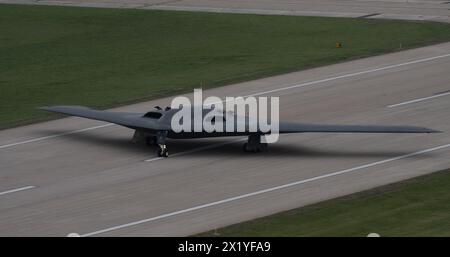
[432, 10]
[75, 175]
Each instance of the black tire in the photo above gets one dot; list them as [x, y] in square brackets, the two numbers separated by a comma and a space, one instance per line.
[263, 146]
[244, 147]
[162, 153]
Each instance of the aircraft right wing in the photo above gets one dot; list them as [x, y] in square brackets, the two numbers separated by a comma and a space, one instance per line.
[287, 127]
[131, 120]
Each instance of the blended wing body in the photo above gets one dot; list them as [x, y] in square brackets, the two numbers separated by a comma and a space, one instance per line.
[155, 126]
[139, 121]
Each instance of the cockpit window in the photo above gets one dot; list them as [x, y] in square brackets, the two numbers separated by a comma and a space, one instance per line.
[153, 115]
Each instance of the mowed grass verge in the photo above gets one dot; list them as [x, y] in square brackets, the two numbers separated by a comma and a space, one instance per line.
[109, 57]
[415, 207]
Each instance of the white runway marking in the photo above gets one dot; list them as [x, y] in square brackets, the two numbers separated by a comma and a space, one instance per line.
[336, 173]
[53, 136]
[16, 190]
[419, 100]
[197, 149]
[351, 74]
[256, 94]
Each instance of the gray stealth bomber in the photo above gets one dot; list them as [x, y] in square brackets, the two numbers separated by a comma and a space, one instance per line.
[154, 127]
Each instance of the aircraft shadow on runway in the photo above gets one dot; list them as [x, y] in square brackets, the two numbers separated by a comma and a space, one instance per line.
[277, 150]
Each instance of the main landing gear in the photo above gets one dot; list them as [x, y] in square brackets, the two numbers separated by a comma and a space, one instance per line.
[254, 144]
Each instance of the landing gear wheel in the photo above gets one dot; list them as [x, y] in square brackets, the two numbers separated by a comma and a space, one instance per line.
[162, 151]
[254, 146]
[245, 147]
[263, 146]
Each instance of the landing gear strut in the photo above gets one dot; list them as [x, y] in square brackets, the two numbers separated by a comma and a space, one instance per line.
[254, 144]
[161, 141]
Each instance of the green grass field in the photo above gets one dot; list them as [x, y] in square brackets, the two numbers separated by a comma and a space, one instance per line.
[110, 57]
[416, 207]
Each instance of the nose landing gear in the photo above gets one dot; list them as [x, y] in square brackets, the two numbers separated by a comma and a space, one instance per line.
[161, 141]
[150, 139]
[162, 151]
